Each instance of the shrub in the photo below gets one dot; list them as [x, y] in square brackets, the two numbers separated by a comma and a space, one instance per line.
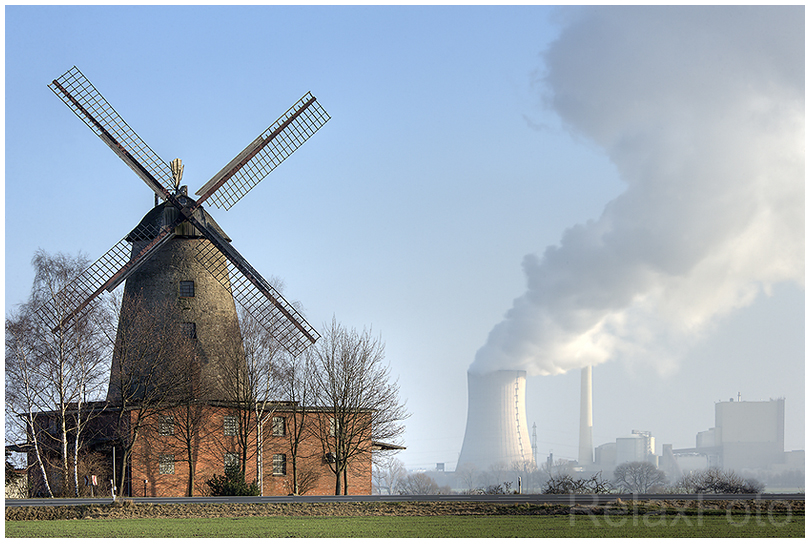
[638, 477]
[563, 484]
[418, 484]
[232, 484]
[715, 480]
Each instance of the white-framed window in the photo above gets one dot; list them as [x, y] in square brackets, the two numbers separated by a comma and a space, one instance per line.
[166, 425]
[279, 464]
[166, 463]
[231, 459]
[186, 289]
[278, 426]
[334, 427]
[230, 425]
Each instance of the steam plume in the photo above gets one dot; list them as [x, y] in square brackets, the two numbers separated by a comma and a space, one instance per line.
[701, 109]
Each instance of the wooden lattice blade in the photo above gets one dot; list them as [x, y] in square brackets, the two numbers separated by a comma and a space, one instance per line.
[251, 291]
[105, 274]
[90, 106]
[265, 153]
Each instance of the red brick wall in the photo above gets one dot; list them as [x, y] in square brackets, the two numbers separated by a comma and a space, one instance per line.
[210, 446]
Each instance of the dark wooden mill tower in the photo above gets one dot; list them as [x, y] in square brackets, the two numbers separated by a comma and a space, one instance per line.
[178, 257]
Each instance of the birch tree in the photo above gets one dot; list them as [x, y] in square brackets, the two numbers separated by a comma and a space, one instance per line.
[58, 369]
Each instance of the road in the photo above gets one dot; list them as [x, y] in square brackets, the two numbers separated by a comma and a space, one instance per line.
[592, 500]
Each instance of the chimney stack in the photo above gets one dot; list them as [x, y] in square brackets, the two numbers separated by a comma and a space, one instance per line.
[586, 453]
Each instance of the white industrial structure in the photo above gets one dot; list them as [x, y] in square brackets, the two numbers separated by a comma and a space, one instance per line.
[586, 450]
[496, 432]
[639, 446]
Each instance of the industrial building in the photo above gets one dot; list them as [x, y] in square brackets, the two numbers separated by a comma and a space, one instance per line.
[496, 432]
[748, 435]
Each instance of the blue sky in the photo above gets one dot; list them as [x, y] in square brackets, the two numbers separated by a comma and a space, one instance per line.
[446, 162]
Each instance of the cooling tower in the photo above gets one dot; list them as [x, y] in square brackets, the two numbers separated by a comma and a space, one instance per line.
[496, 432]
[586, 453]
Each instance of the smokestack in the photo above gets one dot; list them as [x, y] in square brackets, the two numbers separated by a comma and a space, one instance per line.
[586, 453]
[496, 431]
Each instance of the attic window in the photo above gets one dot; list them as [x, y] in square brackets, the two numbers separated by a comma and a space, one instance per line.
[186, 289]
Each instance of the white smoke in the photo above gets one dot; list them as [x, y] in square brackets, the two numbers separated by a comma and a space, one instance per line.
[701, 109]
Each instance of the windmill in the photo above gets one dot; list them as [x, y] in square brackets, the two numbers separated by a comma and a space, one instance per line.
[178, 239]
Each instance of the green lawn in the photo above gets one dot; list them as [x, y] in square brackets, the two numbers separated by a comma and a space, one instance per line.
[648, 525]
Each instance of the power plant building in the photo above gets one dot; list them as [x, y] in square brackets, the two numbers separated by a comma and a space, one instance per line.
[639, 446]
[747, 435]
[496, 433]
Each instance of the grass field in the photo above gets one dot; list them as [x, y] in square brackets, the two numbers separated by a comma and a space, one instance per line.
[648, 525]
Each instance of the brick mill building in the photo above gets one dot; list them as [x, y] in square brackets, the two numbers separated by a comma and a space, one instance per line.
[159, 465]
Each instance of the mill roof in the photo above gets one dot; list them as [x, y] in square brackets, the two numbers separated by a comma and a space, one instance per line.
[164, 214]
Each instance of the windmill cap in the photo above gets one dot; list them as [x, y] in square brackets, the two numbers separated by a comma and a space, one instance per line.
[165, 214]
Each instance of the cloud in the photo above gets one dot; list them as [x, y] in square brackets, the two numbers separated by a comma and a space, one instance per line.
[701, 109]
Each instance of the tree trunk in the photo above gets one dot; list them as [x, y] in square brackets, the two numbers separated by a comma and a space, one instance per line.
[39, 458]
[190, 486]
[259, 480]
[126, 453]
[295, 473]
[65, 459]
[76, 452]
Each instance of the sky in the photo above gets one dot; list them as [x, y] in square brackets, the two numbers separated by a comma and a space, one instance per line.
[499, 187]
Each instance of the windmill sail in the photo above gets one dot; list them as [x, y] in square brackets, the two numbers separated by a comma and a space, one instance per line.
[106, 273]
[247, 286]
[255, 294]
[265, 153]
[90, 106]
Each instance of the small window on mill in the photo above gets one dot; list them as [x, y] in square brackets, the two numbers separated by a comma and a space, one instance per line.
[186, 289]
[189, 330]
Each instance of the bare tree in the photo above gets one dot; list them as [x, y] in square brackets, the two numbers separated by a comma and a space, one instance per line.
[360, 400]
[495, 474]
[638, 477]
[56, 366]
[24, 385]
[418, 484]
[468, 475]
[387, 473]
[150, 370]
[263, 355]
[295, 387]
[187, 423]
[564, 483]
[250, 386]
[716, 480]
